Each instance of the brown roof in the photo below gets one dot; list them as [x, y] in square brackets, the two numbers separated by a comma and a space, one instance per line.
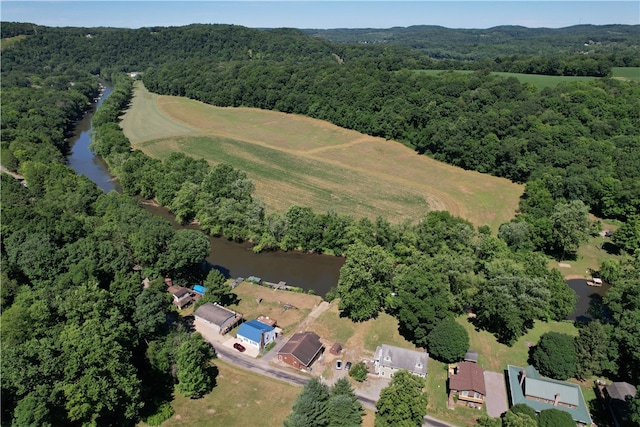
[178, 291]
[183, 302]
[266, 321]
[469, 376]
[304, 346]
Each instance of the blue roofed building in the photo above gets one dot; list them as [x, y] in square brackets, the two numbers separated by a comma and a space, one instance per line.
[199, 289]
[527, 386]
[256, 334]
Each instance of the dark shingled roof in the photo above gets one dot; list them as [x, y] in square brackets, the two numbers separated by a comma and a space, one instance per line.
[470, 376]
[620, 391]
[304, 346]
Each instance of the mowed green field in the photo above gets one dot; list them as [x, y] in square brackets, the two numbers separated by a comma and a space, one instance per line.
[536, 80]
[626, 73]
[307, 162]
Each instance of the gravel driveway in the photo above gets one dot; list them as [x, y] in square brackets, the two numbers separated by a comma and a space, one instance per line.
[496, 399]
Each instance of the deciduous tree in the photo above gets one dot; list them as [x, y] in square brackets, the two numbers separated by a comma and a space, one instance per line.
[555, 355]
[448, 341]
[403, 402]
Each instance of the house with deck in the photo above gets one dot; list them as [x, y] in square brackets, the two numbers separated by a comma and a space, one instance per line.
[527, 386]
[216, 318]
[466, 382]
[389, 359]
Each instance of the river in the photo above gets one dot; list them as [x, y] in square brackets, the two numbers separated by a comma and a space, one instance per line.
[307, 271]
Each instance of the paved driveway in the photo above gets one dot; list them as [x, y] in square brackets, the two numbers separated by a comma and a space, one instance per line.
[496, 399]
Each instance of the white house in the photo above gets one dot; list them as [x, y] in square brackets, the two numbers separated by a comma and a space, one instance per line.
[389, 359]
[256, 334]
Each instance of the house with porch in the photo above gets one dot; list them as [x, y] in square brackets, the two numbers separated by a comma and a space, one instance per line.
[466, 381]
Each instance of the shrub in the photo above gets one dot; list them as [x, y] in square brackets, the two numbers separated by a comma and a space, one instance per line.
[359, 372]
[165, 411]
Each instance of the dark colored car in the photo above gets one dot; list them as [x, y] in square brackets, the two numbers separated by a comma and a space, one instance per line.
[239, 347]
[347, 366]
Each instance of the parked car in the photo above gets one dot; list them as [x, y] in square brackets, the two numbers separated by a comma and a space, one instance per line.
[339, 364]
[239, 347]
[347, 366]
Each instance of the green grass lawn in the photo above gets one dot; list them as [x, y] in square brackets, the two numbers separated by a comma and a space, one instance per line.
[626, 73]
[537, 80]
[298, 160]
[240, 398]
[494, 356]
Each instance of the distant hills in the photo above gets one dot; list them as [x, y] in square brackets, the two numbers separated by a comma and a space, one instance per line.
[470, 44]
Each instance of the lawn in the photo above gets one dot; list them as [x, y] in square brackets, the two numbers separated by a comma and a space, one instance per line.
[537, 80]
[298, 160]
[240, 398]
[258, 300]
[626, 73]
[494, 356]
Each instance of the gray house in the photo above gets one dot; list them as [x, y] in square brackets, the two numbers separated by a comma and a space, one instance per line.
[216, 317]
[389, 359]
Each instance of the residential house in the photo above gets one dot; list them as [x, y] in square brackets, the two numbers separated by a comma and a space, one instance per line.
[527, 386]
[467, 382]
[181, 296]
[301, 350]
[388, 359]
[216, 317]
[256, 334]
[618, 396]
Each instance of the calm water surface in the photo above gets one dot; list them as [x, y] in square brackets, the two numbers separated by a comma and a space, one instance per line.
[307, 271]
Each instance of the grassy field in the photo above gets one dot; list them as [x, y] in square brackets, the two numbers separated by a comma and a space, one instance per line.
[626, 73]
[537, 80]
[494, 356]
[298, 160]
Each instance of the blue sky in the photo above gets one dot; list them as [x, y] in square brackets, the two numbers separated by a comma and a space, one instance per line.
[322, 14]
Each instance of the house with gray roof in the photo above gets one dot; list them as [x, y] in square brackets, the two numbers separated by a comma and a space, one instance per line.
[389, 359]
[527, 386]
[217, 317]
[618, 396]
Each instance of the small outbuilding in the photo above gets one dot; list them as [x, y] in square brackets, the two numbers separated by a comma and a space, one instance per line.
[471, 356]
[336, 349]
[199, 289]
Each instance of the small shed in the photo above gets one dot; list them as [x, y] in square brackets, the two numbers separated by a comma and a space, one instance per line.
[336, 349]
[199, 289]
[471, 356]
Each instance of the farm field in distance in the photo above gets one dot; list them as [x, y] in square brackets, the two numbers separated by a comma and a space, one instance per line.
[538, 80]
[307, 162]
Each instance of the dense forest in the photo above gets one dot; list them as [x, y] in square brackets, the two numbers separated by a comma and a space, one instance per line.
[85, 344]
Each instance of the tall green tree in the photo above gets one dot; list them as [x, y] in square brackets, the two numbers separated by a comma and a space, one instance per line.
[343, 408]
[364, 282]
[217, 290]
[595, 352]
[448, 341]
[195, 376]
[403, 402]
[570, 226]
[555, 418]
[310, 407]
[555, 355]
